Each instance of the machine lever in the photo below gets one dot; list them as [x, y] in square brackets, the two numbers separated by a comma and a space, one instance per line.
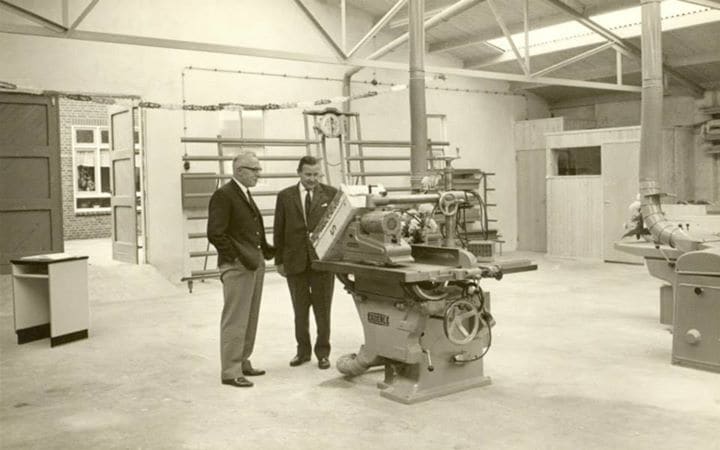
[430, 366]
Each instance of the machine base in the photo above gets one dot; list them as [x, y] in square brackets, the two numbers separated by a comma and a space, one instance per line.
[407, 392]
[696, 365]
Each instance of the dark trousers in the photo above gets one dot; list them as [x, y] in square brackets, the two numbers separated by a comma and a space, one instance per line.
[312, 288]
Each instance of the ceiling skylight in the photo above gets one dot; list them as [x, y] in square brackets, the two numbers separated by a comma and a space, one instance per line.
[625, 23]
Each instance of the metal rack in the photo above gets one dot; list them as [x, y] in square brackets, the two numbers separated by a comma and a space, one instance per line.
[199, 200]
[352, 163]
[355, 155]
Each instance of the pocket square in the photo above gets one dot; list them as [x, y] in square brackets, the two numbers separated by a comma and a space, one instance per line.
[323, 205]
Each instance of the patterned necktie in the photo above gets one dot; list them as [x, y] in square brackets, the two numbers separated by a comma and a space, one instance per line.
[308, 202]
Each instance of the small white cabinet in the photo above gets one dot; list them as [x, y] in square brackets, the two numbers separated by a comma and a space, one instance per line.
[50, 298]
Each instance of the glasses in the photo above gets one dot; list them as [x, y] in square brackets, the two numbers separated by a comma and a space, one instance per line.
[254, 169]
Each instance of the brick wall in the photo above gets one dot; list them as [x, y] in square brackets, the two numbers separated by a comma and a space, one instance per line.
[83, 225]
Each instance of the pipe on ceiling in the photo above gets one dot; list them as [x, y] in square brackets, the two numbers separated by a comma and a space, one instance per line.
[444, 15]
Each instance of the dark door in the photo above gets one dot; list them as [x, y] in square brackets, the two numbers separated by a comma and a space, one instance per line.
[30, 195]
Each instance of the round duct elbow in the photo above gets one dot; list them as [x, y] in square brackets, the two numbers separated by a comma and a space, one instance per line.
[355, 364]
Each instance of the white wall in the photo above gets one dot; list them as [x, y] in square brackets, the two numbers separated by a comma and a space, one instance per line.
[480, 124]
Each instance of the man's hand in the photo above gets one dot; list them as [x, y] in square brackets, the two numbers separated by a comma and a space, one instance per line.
[280, 269]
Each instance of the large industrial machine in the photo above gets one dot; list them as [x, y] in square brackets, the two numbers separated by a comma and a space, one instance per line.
[690, 262]
[424, 314]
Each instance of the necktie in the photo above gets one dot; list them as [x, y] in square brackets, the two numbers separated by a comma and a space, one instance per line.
[252, 202]
[308, 202]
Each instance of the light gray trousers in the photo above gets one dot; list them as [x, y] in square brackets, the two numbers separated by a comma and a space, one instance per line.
[242, 291]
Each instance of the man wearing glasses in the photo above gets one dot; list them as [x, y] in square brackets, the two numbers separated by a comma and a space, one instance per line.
[235, 227]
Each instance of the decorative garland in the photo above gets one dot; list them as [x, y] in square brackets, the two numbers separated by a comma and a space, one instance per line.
[135, 101]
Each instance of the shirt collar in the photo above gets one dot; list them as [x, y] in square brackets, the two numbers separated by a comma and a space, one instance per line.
[303, 190]
[243, 188]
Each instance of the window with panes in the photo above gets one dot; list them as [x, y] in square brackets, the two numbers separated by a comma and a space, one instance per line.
[91, 164]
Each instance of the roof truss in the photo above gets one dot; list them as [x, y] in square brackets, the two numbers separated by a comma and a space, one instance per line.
[55, 30]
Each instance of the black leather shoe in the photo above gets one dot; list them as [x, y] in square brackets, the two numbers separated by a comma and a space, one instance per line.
[324, 363]
[238, 382]
[297, 360]
[253, 372]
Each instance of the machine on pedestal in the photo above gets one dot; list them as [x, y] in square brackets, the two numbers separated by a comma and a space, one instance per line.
[424, 315]
[694, 298]
[689, 261]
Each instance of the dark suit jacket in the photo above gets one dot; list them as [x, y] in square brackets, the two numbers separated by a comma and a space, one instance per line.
[293, 248]
[236, 229]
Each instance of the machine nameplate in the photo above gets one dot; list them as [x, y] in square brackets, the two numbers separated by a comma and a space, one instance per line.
[378, 319]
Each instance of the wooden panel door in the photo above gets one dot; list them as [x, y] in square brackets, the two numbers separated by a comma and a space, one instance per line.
[531, 204]
[123, 200]
[620, 166]
[30, 190]
[574, 216]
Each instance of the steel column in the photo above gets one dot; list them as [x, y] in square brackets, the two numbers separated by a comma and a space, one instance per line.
[651, 108]
[418, 115]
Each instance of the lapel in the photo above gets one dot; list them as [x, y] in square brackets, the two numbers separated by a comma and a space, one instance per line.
[296, 200]
[242, 195]
[318, 198]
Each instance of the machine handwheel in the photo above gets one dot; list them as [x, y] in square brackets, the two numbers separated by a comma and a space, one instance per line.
[448, 204]
[461, 322]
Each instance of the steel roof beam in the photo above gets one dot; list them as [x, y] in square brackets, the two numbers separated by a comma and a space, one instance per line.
[517, 27]
[82, 15]
[403, 22]
[445, 14]
[31, 16]
[321, 29]
[573, 59]
[632, 49]
[509, 38]
[378, 26]
[302, 57]
[707, 3]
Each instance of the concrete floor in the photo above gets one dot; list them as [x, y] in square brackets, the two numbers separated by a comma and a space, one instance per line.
[579, 361]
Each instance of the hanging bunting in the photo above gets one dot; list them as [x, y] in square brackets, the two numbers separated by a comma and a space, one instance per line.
[109, 100]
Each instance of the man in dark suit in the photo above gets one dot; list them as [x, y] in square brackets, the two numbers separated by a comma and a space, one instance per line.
[235, 227]
[298, 210]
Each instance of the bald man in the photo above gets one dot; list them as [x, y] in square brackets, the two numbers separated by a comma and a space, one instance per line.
[235, 227]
